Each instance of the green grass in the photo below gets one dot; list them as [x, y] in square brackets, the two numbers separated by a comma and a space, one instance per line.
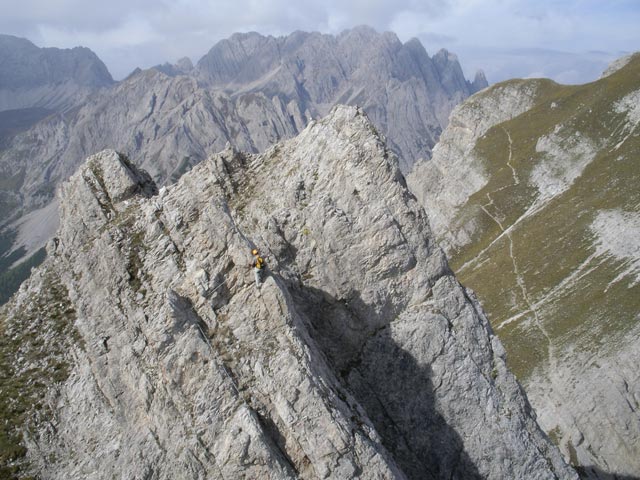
[551, 244]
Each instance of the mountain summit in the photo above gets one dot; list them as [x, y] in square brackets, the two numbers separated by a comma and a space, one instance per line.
[359, 356]
[50, 78]
[407, 94]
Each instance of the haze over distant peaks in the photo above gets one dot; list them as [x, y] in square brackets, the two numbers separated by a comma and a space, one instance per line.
[51, 78]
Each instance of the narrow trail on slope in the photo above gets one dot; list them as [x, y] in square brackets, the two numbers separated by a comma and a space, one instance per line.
[516, 271]
[516, 180]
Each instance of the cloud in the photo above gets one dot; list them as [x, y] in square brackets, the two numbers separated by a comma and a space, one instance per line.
[563, 67]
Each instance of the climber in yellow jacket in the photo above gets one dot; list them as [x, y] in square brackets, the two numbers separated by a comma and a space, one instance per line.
[258, 266]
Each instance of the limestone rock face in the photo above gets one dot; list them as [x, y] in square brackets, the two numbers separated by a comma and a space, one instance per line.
[533, 194]
[251, 91]
[359, 356]
[407, 94]
[51, 78]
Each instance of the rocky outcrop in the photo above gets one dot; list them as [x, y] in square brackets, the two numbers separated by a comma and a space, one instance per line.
[360, 356]
[183, 66]
[479, 82]
[616, 65]
[51, 78]
[533, 194]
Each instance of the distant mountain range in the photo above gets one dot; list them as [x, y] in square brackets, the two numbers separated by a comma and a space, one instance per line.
[47, 78]
[249, 90]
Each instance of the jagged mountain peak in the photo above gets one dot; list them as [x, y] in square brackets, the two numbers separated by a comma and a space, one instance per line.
[358, 355]
[51, 78]
[479, 81]
[19, 43]
[246, 91]
[183, 66]
[415, 43]
[445, 56]
[22, 64]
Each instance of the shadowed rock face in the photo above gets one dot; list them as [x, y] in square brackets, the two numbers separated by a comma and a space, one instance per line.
[360, 356]
[532, 192]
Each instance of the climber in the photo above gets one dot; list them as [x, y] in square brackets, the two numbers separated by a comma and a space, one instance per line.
[258, 266]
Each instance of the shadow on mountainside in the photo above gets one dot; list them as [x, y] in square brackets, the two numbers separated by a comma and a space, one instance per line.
[596, 473]
[395, 391]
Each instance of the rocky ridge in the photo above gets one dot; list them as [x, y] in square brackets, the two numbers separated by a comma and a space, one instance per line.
[538, 208]
[361, 356]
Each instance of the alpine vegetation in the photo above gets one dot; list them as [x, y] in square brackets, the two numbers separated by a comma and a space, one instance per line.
[533, 193]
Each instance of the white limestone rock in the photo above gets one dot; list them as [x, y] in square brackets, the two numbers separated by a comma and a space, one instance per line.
[361, 356]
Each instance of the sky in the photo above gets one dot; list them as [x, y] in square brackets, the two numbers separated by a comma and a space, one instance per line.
[571, 41]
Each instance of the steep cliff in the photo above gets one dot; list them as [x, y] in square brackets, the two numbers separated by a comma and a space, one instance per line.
[407, 94]
[532, 192]
[360, 356]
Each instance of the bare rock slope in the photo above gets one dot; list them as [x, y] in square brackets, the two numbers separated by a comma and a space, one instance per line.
[360, 356]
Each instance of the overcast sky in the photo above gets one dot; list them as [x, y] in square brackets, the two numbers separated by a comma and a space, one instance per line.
[568, 40]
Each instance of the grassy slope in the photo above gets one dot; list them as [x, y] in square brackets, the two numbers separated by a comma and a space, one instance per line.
[548, 246]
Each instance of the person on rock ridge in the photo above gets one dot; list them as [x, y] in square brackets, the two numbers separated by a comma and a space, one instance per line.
[258, 266]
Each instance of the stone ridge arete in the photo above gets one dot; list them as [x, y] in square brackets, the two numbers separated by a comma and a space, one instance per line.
[363, 357]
